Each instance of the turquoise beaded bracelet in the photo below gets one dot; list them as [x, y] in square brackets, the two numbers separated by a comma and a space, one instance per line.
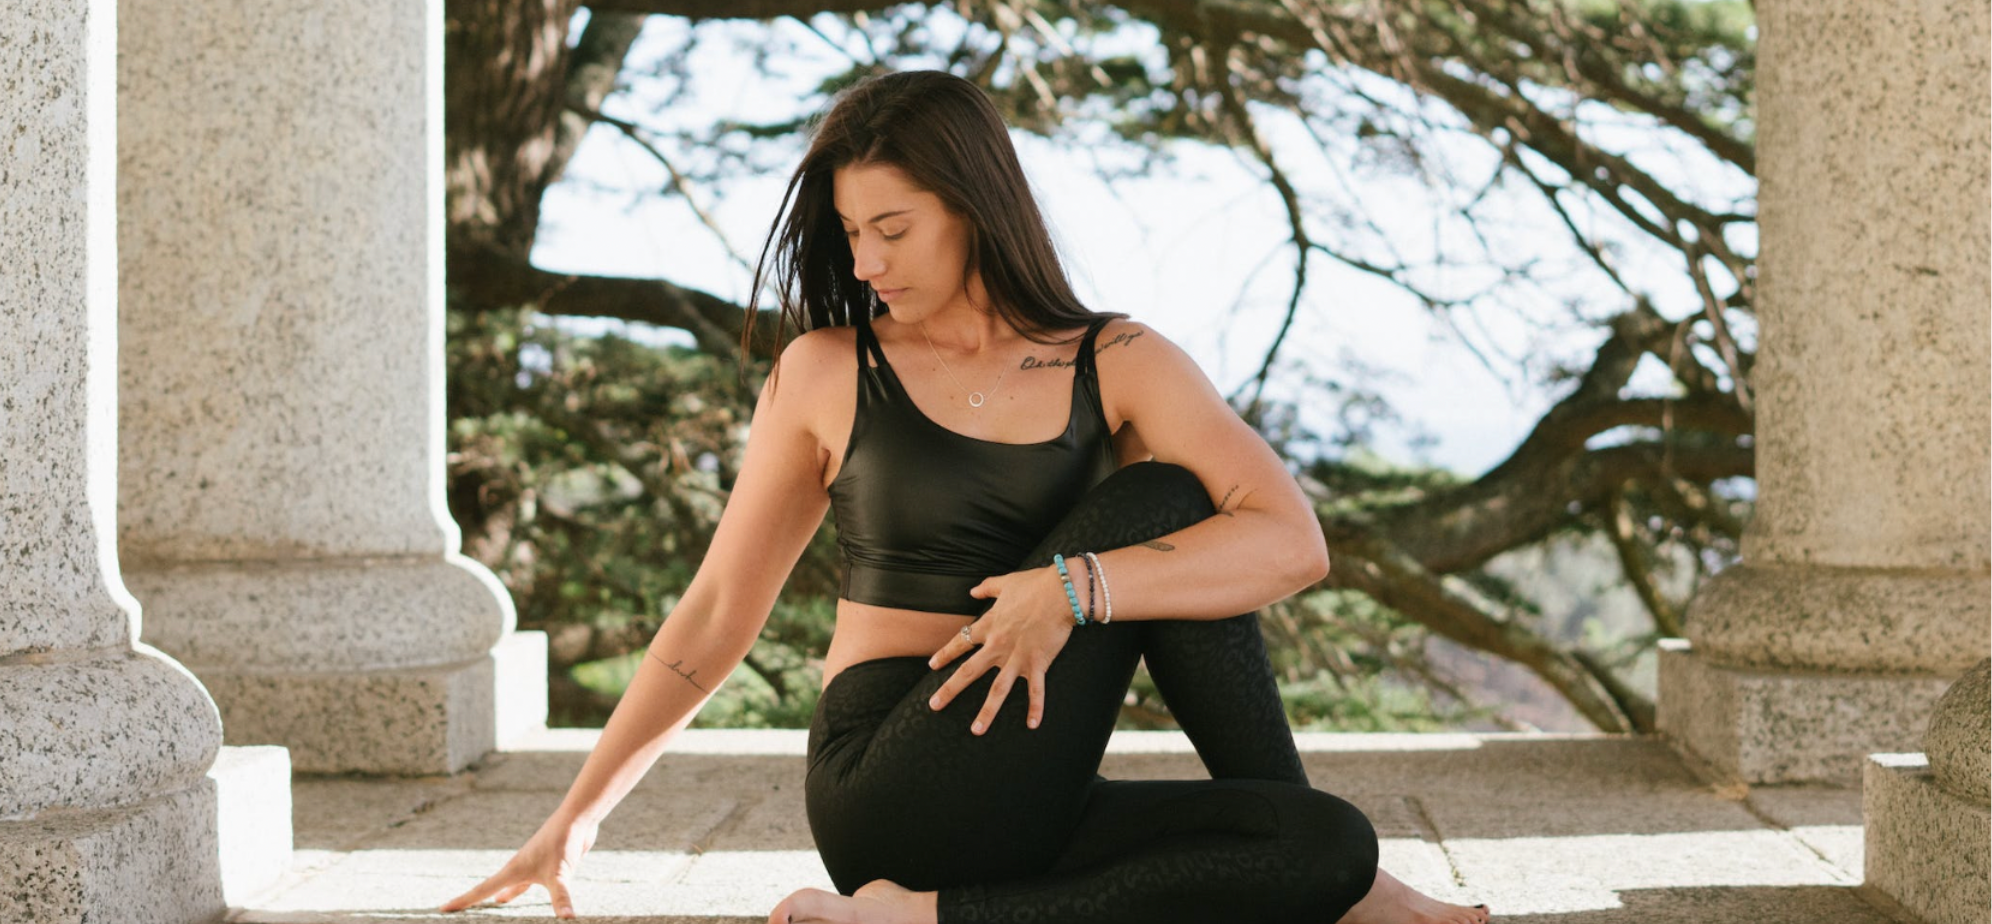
[1072, 596]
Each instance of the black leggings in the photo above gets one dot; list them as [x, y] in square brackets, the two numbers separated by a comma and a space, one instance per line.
[1016, 824]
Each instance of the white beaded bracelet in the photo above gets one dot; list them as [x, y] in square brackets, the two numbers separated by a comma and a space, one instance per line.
[1106, 594]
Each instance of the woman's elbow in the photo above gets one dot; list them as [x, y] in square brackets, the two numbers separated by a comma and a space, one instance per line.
[1314, 569]
[1310, 565]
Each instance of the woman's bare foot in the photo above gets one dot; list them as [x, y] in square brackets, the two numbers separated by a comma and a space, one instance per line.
[1392, 902]
[880, 901]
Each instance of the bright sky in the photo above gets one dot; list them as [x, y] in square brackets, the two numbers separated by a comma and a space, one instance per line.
[1199, 250]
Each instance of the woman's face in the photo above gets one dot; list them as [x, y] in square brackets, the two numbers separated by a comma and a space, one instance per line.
[904, 242]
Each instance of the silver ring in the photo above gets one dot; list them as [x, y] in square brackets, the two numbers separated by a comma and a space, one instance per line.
[965, 636]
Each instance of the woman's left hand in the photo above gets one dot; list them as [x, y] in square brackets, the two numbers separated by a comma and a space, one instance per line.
[1020, 634]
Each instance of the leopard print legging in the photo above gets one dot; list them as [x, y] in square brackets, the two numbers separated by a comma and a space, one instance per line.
[1016, 825]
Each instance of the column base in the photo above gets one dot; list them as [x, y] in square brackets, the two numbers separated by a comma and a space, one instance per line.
[1757, 725]
[181, 858]
[355, 613]
[1925, 848]
[154, 862]
[404, 721]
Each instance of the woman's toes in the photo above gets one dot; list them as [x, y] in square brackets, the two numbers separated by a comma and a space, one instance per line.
[801, 905]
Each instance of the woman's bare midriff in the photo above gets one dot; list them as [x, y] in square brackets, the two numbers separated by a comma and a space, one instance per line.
[865, 631]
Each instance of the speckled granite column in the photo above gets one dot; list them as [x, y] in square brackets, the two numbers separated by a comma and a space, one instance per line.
[1924, 816]
[282, 513]
[1863, 587]
[106, 810]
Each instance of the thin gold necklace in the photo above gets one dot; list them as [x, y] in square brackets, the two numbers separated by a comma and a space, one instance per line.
[975, 398]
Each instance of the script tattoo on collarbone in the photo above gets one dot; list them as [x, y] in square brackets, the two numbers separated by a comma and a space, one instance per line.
[674, 669]
[1032, 362]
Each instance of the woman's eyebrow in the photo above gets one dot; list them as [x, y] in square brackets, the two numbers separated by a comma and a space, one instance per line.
[875, 219]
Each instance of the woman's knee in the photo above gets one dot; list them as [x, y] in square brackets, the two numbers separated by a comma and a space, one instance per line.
[1159, 480]
[1343, 844]
[1134, 504]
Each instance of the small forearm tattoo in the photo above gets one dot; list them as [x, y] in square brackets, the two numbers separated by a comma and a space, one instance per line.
[1227, 499]
[1159, 546]
[674, 669]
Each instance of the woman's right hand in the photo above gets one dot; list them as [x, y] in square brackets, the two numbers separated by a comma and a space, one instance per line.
[549, 858]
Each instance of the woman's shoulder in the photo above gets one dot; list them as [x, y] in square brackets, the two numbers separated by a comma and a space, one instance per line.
[817, 367]
[1125, 344]
[827, 334]
[813, 359]
[1135, 363]
[820, 350]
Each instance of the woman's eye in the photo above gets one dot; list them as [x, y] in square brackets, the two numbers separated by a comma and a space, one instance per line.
[893, 237]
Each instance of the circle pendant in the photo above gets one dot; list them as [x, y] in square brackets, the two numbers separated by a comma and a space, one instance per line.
[975, 399]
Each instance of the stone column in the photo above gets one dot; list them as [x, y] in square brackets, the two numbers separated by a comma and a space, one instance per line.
[283, 515]
[1862, 589]
[109, 798]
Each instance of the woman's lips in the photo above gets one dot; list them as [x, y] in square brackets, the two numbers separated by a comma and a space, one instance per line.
[886, 295]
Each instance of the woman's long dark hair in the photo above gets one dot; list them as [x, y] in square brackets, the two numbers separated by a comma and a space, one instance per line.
[943, 133]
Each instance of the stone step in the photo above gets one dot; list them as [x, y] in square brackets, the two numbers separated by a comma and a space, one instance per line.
[1541, 827]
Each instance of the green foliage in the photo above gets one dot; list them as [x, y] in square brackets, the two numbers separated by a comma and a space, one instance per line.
[589, 473]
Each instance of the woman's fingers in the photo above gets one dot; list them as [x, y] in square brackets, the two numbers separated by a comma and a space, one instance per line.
[963, 676]
[547, 859]
[499, 889]
[479, 892]
[998, 692]
[950, 651]
[562, 905]
[517, 889]
[942, 656]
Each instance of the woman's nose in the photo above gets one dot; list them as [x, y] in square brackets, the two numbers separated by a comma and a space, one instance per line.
[866, 267]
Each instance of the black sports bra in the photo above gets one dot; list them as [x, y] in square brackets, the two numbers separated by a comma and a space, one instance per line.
[925, 513]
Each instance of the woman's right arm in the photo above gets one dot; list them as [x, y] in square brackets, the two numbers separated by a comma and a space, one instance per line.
[776, 505]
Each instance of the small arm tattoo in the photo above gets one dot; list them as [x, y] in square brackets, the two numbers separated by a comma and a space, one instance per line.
[675, 670]
[1159, 546]
[1226, 500]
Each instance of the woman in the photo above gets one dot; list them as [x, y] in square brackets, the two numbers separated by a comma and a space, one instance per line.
[987, 555]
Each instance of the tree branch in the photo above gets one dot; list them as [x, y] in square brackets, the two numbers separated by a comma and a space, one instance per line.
[489, 279]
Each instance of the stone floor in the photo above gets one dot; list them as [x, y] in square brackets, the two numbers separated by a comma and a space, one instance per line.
[1588, 829]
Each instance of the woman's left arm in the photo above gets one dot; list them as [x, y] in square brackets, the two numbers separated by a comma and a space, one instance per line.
[1265, 542]
[1262, 545]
